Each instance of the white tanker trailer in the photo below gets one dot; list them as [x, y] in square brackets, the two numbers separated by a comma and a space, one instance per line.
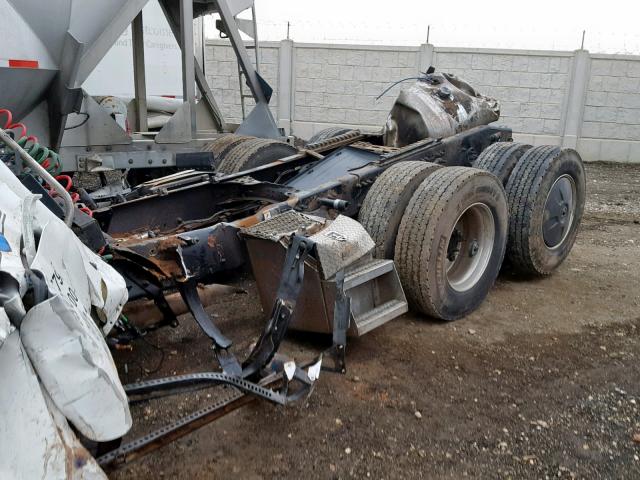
[49, 50]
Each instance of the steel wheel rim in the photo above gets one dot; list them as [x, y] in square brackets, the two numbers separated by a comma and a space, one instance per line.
[559, 212]
[470, 246]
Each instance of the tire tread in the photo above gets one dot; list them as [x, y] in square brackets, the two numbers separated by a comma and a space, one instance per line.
[522, 191]
[501, 158]
[242, 154]
[328, 133]
[383, 200]
[416, 234]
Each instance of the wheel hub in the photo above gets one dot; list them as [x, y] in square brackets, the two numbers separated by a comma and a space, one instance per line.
[558, 211]
[455, 242]
[470, 246]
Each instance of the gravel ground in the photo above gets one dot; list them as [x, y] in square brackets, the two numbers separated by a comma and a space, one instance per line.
[540, 382]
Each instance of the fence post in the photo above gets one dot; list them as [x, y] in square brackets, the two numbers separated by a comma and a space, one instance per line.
[285, 85]
[425, 57]
[576, 95]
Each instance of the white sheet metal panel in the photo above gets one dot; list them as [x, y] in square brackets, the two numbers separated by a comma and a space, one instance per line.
[106, 291]
[57, 364]
[5, 326]
[74, 364]
[36, 441]
[107, 288]
[59, 258]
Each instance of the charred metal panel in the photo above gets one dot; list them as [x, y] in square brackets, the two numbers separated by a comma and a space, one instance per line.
[171, 210]
[193, 254]
[437, 106]
[331, 167]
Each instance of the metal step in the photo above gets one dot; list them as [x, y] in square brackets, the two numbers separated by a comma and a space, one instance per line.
[368, 271]
[376, 295]
[380, 315]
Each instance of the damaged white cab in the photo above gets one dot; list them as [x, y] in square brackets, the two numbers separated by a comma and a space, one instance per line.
[57, 299]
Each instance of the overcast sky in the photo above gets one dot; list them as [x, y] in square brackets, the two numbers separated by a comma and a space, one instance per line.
[546, 24]
[611, 26]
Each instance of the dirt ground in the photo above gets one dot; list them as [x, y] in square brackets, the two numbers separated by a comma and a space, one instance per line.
[541, 382]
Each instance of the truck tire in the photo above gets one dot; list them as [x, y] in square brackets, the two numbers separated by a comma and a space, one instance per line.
[387, 200]
[501, 158]
[546, 194]
[451, 241]
[328, 133]
[254, 153]
[221, 146]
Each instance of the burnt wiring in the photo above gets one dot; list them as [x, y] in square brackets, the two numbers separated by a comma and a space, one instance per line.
[396, 83]
[129, 333]
[160, 362]
[423, 76]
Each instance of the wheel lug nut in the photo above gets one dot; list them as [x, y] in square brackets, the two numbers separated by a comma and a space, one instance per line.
[473, 249]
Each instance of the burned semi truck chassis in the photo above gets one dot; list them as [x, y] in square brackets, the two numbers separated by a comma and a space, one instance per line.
[172, 204]
[198, 220]
[173, 256]
[191, 228]
[176, 232]
[342, 235]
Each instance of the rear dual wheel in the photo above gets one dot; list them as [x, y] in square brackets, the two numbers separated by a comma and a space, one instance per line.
[387, 200]
[446, 230]
[456, 223]
[546, 191]
[451, 241]
[501, 158]
[254, 152]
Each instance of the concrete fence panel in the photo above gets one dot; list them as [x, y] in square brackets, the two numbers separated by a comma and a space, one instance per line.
[575, 99]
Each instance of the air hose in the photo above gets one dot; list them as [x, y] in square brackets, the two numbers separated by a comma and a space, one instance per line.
[48, 159]
[44, 162]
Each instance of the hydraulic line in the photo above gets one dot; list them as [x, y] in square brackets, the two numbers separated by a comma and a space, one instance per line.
[75, 197]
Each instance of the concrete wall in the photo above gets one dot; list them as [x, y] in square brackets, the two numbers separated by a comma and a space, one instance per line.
[221, 70]
[611, 119]
[340, 85]
[529, 85]
[575, 99]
